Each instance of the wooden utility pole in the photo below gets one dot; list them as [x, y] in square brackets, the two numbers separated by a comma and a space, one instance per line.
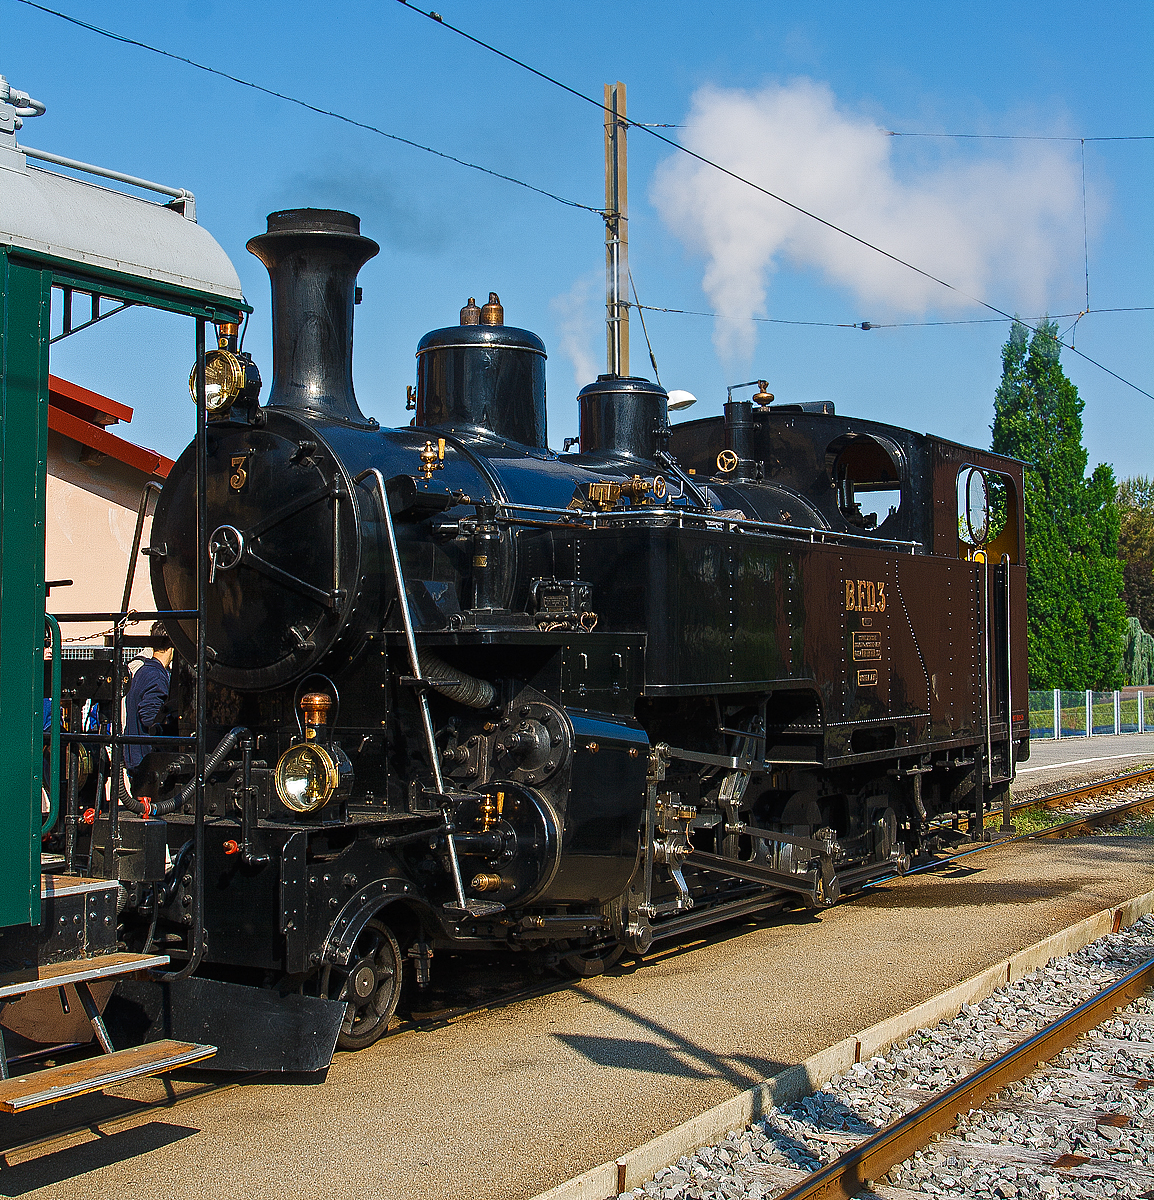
[616, 232]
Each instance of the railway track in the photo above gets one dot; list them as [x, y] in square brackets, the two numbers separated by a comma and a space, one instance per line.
[1092, 821]
[1083, 823]
[1009, 1099]
[856, 1170]
[1073, 795]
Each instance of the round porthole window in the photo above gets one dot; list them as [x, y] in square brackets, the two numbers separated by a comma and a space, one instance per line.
[977, 507]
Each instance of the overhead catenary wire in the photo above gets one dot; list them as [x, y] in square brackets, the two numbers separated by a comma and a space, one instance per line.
[652, 130]
[641, 313]
[1023, 137]
[869, 325]
[324, 112]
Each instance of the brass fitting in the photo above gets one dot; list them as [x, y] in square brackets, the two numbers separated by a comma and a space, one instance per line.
[432, 458]
[605, 494]
[315, 707]
[488, 814]
[492, 313]
[638, 488]
[485, 882]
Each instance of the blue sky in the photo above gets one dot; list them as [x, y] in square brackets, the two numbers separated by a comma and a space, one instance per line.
[814, 83]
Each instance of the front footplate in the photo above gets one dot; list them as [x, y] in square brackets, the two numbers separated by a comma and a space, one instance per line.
[254, 1029]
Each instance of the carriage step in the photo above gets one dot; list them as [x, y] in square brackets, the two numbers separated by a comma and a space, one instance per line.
[93, 1074]
[83, 970]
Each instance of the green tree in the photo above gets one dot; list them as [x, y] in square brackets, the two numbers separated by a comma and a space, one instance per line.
[1136, 547]
[1076, 627]
[1138, 659]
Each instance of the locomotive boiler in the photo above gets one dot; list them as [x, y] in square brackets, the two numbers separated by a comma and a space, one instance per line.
[465, 691]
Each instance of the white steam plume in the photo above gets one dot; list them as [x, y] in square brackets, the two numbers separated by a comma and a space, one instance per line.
[579, 318]
[1005, 229]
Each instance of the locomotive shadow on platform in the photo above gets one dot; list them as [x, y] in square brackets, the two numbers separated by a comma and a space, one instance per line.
[740, 1070]
[836, 1117]
[59, 1166]
[516, 991]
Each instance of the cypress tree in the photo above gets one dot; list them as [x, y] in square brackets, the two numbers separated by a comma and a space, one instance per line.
[1136, 547]
[1076, 627]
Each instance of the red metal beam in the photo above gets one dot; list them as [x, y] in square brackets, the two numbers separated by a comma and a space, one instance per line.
[89, 405]
[148, 461]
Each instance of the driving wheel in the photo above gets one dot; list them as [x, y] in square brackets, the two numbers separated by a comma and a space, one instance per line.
[371, 986]
[584, 964]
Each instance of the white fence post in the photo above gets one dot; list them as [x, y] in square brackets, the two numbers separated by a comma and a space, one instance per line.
[1057, 714]
[1141, 712]
[1089, 713]
[1117, 711]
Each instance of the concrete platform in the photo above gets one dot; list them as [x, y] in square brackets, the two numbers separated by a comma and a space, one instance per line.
[1073, 761]
[504, 1103]
[1046, 755]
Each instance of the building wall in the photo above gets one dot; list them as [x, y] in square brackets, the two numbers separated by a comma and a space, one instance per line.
[91, 517]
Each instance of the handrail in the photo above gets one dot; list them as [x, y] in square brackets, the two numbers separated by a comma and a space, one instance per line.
[418, 678]
[1010, 670]
[703, 519]
[987, 663]
[118, 176]
[196, 940]
[407, 623]
[54, 739]
[132, 616]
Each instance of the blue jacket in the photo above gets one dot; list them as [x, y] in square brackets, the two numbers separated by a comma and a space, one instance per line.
[146, 695]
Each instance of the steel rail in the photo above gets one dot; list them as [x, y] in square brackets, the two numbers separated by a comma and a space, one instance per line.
[1072, 795]
[852, 1174]
[1090, 821]
[1089, 789]
[1052, 801]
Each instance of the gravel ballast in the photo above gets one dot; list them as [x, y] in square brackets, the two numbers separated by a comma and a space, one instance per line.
[1085, 1104]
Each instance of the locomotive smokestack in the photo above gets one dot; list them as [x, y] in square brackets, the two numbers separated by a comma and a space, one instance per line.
[313, 256]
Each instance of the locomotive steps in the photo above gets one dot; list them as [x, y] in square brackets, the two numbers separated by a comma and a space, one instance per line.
[634, 1168]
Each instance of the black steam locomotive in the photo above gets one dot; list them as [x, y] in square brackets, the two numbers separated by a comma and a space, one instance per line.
[464, 691]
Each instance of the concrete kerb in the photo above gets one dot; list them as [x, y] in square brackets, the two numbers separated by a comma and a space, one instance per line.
[635, 1167]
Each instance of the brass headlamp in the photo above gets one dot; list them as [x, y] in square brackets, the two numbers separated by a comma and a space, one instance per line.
[310, 773]
[306, 777]
[229, 375]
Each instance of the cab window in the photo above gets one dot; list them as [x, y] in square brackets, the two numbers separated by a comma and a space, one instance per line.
[867, 474]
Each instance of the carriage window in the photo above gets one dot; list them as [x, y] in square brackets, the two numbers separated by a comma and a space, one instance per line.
[987, 514]
[867, 476]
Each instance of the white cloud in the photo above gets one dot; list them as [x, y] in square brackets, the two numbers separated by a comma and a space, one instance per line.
[1005, 226]
[580, 317]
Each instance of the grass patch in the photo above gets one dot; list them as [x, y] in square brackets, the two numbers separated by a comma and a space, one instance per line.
[1030, 820]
